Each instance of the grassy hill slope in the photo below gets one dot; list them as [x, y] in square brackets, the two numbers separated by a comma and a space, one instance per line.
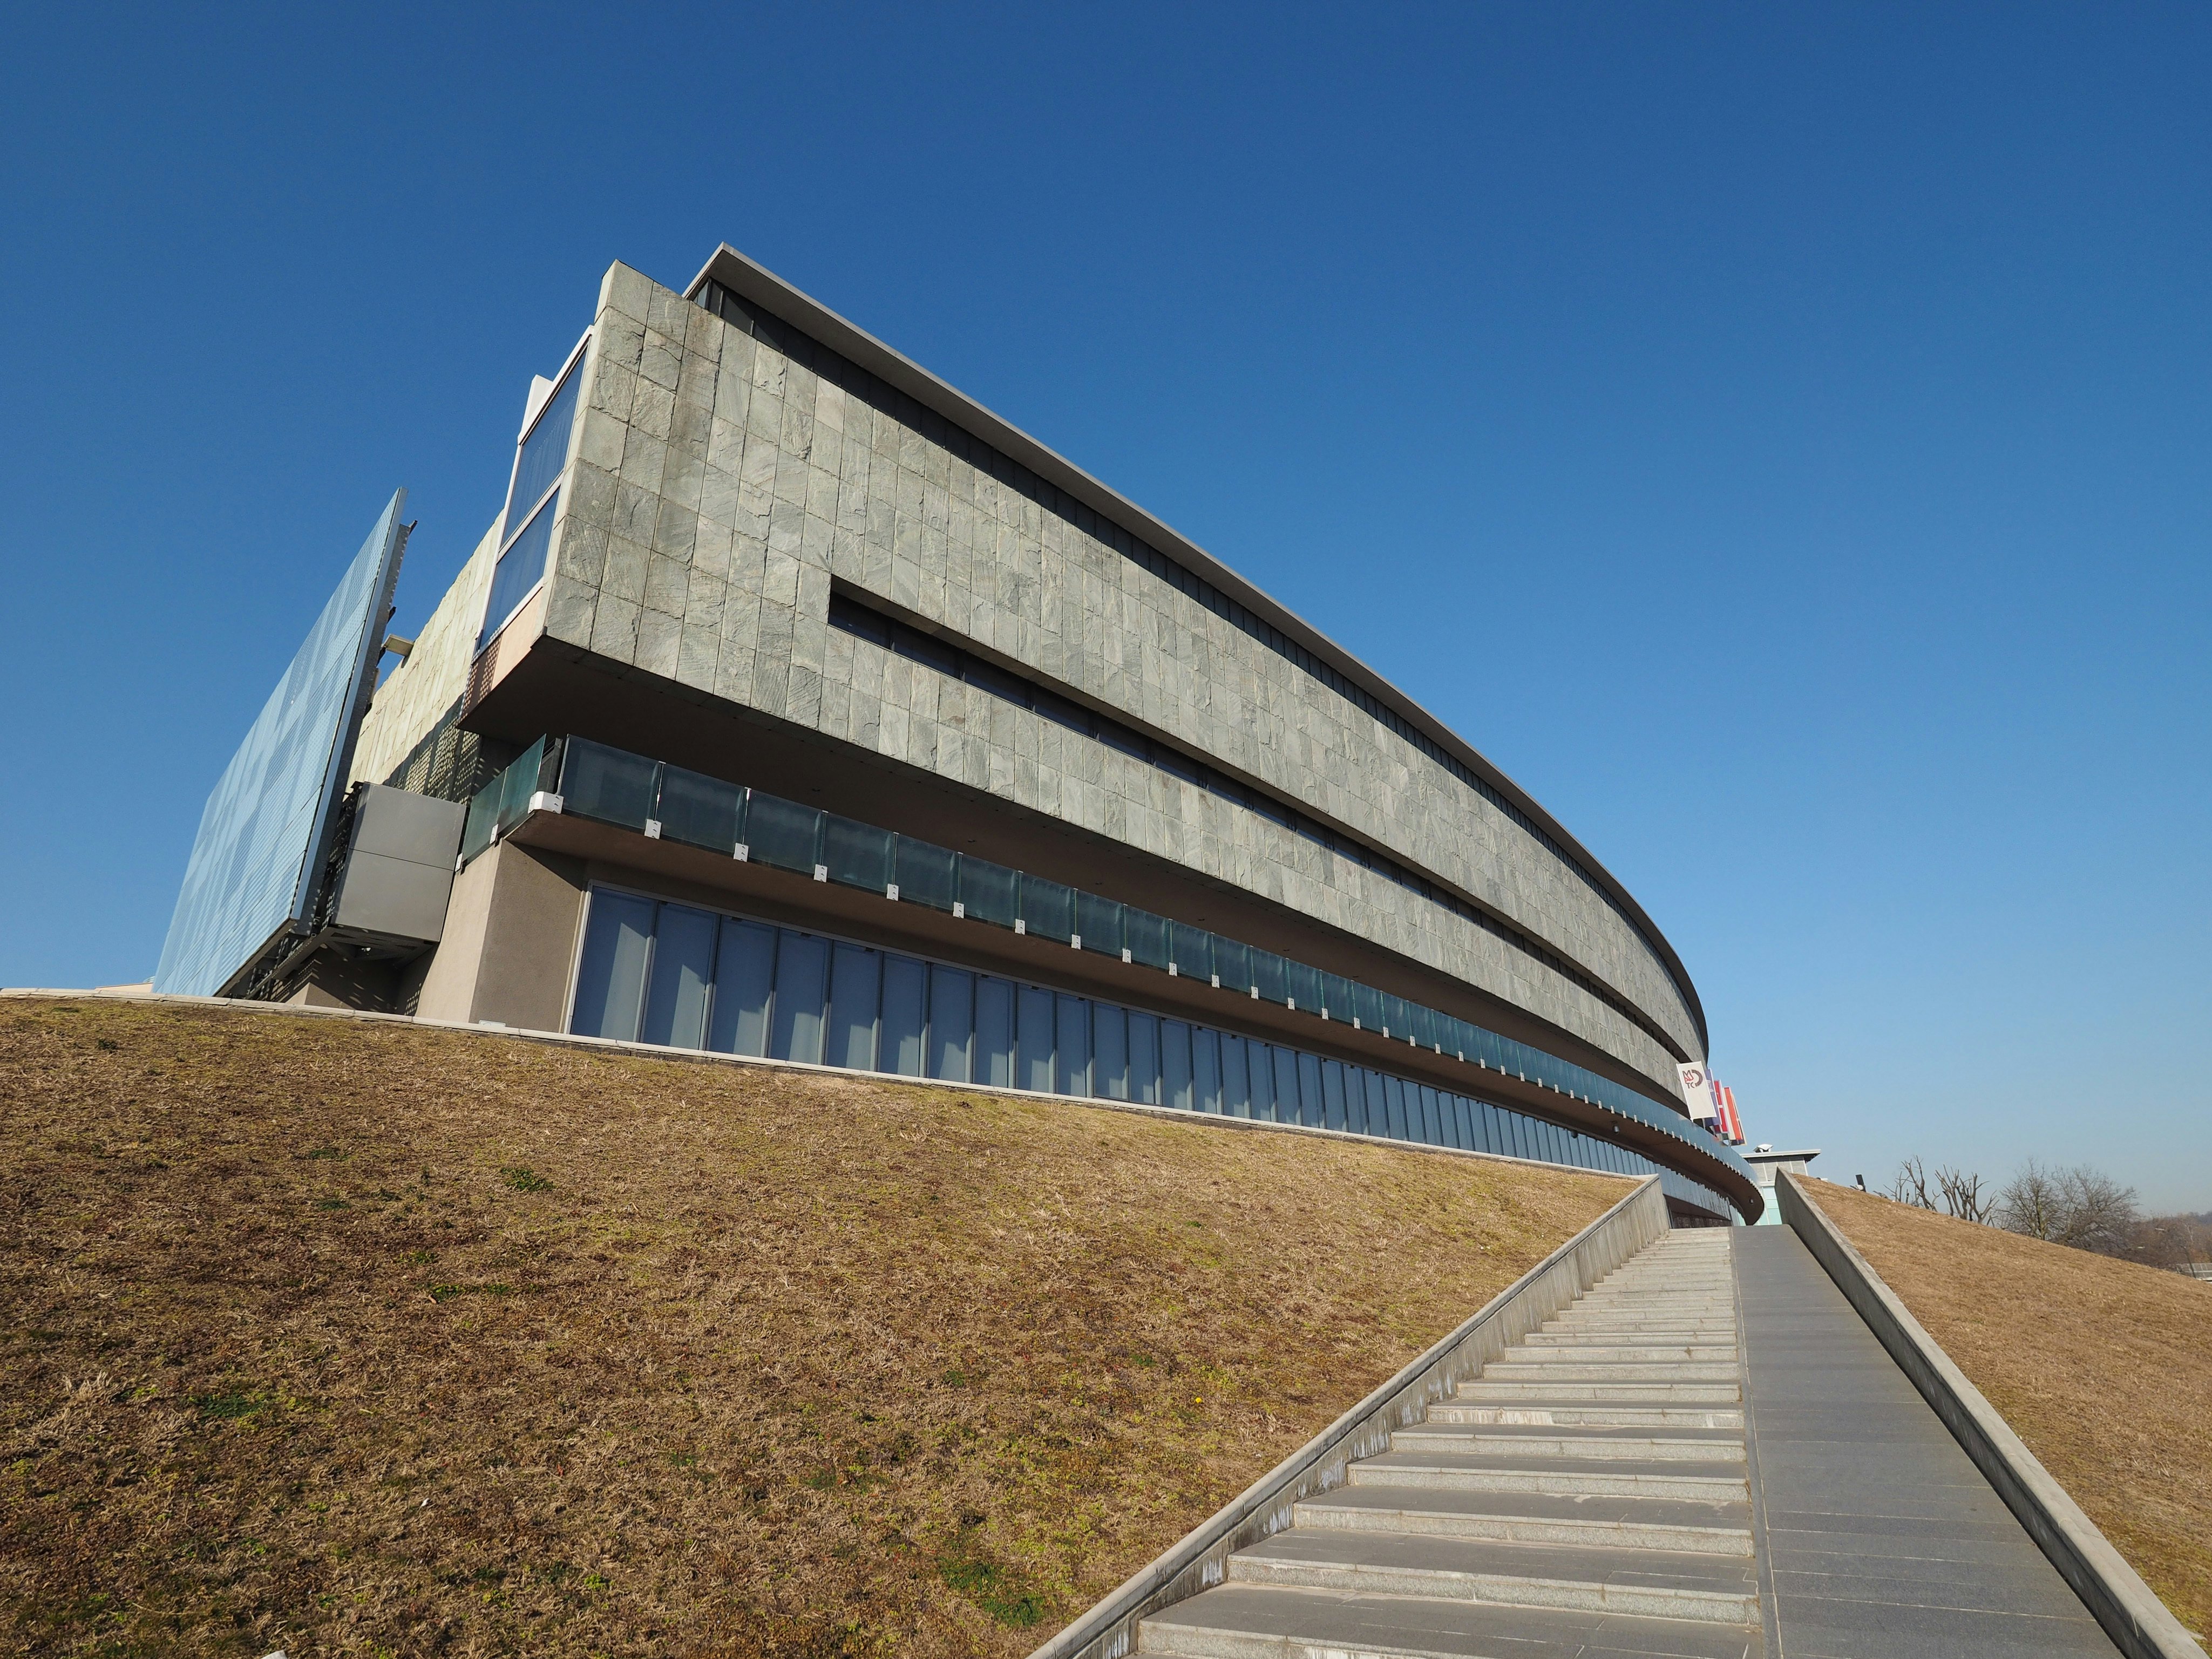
[357, 1338]
[2104, 1368]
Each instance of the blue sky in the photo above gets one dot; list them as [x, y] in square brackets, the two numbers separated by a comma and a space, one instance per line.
[1777, 435]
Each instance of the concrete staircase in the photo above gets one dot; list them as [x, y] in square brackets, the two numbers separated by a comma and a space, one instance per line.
[1587, 1494]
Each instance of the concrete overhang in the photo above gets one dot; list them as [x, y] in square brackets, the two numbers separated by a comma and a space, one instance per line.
[764, 288]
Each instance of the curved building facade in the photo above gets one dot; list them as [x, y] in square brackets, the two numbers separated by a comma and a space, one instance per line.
[806, 708]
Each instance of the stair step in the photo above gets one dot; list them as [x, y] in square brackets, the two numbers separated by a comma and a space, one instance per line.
[1534, 1518]
[1654, 1583]
[1657, 1393]
[1462, 1409]
[1615, 1348]
[1263, 1621]
[1619, 1348]
[1572, 1369]
[1594, 1440]
[1559, 1476]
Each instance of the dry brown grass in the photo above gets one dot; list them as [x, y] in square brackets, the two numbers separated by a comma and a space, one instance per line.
[2104, 1368]
[367, 1339]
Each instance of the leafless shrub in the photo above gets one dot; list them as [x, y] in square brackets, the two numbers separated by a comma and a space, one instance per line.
[1963, 1196]
[1911, 1186]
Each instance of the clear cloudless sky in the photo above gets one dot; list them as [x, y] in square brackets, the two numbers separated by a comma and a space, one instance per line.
[1778, 436]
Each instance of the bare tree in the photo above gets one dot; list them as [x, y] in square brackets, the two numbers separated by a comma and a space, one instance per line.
[2081, 1206]
[2029, 1203]
[1911, 1186]
[1963, 1196]
[2100, 1213]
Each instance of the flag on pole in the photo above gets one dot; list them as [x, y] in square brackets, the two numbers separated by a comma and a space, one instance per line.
[1698, 1091]
[1732, 1123]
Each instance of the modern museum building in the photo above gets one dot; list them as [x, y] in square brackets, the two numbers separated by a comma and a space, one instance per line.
[795, 705]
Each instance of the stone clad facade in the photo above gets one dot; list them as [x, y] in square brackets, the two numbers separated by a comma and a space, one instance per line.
[724, 477]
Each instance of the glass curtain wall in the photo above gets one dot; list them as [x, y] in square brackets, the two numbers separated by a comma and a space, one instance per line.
[655, 971]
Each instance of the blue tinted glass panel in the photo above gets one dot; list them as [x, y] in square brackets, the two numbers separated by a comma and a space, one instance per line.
[1336, 996]
[682, 969]
[1109, 1051]
[1260, 1078]
[1144, 1058]
[1047, 909]
[986, 892]
[927, 875]
[902, 1014]
[1175, 1065]
[1146, 936]
[610, 784]
[1232, 964]
[1205, 1069]
[1393, 1099]
[1192, 949]
[857, 855]
[1037, 1019]
[1370, 1112]
[1235, 1077]
[853, 975]
[744, 970]
[951, 1022]
[1099, 924]
[1271, 976]
[1312, 1110]
[994, 1033]
[1332, 1100]
[545, 450]
[1289, 1105]
[611, 977]
[519, 569]
[1355, 1097]
[699, 811]
[1071, 1069]
[802, 964]
[252, 869]
[782, 833]
[1367, 1006]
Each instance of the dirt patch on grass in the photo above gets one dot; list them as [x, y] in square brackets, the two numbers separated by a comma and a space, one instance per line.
[2104, 1368]
[361, 1338]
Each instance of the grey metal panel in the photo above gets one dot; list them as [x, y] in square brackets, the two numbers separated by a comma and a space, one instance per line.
[394, 897]
[252, 876]
[397, 824]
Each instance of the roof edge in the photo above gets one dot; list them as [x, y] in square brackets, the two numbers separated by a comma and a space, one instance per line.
[764, 288]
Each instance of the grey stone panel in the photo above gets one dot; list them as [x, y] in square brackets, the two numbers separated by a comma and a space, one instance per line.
[742, 479]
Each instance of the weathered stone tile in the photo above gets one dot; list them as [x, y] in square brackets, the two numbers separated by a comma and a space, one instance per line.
[624, 574]
[659, 636]
[614, 629]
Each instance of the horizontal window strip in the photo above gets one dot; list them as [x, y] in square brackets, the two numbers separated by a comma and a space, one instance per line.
[652, 970]
[634, 792]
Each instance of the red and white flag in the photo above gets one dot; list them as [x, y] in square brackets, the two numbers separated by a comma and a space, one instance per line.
[1731, 1125]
